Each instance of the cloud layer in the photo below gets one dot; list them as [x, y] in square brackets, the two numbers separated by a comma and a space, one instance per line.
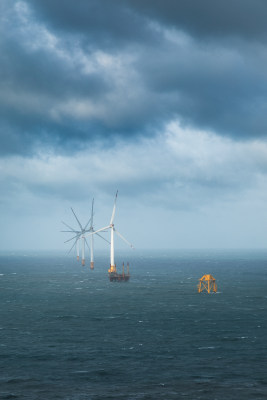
[195, 166]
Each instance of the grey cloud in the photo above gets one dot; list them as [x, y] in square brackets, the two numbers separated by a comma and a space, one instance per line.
[125, 20]
[208, 18]
[218, 89]
[106, 24]
[41, 72]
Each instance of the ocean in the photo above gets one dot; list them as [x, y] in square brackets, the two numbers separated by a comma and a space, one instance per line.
[68, 333]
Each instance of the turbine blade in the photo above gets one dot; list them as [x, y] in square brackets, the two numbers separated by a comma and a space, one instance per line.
[73, 246]
[87, 244]
[73, 230]
[77, 219]
[87, 225]
[92, 213]
[123, 238]
[91, 218]
[74, 237]
[102, 237]
[114, 209]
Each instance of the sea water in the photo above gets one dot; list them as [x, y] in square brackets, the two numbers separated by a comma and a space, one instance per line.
[66, 332]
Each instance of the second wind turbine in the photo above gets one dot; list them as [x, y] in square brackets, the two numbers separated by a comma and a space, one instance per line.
[113, 275]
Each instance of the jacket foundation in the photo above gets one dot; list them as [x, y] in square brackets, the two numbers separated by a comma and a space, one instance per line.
[207, 283]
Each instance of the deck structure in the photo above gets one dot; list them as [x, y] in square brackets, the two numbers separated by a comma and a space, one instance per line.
[114, 276]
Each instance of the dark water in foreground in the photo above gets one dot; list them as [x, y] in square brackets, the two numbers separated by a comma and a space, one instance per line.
[68, 333]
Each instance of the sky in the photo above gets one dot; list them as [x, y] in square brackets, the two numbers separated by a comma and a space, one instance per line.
[164, 101]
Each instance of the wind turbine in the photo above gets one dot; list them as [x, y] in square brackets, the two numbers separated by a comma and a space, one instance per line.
[80, 235]
[111, 226]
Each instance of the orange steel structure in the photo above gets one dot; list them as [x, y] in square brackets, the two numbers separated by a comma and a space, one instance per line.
[114, 276]
[207, 283]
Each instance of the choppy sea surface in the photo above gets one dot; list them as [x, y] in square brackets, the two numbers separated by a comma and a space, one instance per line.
[68, 333]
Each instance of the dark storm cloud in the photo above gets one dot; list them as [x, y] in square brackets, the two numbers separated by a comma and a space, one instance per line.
[31, 82]
[108, 23]
[209, 18]
[44, 73]
[124, 19]
[221, 91]
[127, 68]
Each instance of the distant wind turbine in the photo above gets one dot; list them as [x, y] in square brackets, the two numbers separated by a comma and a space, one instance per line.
[80, 235]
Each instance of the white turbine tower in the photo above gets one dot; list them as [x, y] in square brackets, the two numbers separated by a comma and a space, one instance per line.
[91, 230]
[112, 268]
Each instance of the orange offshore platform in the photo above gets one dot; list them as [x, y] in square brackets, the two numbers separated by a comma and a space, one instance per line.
[114, 276]
[207, 283]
